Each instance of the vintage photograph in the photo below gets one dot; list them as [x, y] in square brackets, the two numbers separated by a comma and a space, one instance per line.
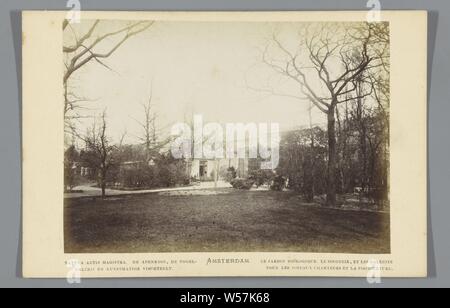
[216, 136]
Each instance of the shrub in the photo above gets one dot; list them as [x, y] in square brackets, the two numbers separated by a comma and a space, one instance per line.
[244, 184]
[71, 177]
[164, 173]
[261, 177]
[133, 178]
[279, 183]
[230, 174]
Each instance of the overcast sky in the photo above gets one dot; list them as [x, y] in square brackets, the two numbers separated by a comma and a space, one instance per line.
[210, 69]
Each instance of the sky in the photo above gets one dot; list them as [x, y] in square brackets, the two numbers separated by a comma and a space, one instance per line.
[212, 69]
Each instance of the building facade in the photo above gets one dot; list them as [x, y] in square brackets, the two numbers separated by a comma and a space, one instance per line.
[211, 169]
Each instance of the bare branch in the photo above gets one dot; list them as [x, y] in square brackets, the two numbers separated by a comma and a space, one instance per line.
[77, 62]
[81, 41]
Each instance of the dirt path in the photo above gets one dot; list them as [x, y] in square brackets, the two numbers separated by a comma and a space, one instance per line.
[90, 191]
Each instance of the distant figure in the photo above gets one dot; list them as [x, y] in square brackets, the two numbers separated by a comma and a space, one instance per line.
[357, 190]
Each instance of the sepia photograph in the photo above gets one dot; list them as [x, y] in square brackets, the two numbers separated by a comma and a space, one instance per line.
[224, 150]
[219, 136]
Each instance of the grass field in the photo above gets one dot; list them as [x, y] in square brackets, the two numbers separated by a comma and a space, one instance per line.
[234, 221]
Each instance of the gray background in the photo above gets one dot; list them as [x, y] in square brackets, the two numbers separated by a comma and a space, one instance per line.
[10, 139]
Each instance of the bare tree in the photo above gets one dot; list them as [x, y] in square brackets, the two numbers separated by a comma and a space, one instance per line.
[327, 64]
[344, 151]
[86, 48]
[100, 151]
[123, 136]
[150, 136]
[149, 133]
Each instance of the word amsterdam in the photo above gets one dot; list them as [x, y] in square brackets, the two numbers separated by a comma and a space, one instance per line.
[234, 140]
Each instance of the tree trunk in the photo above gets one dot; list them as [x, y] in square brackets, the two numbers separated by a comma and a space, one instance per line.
[340, 154]
[331, 176]
[364, 158]
[310, 168]
[308, 176]
[103, 183]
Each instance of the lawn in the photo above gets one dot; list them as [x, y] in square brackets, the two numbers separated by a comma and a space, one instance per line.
[233, 221]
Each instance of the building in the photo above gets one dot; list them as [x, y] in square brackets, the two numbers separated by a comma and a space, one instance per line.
[211, 169]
